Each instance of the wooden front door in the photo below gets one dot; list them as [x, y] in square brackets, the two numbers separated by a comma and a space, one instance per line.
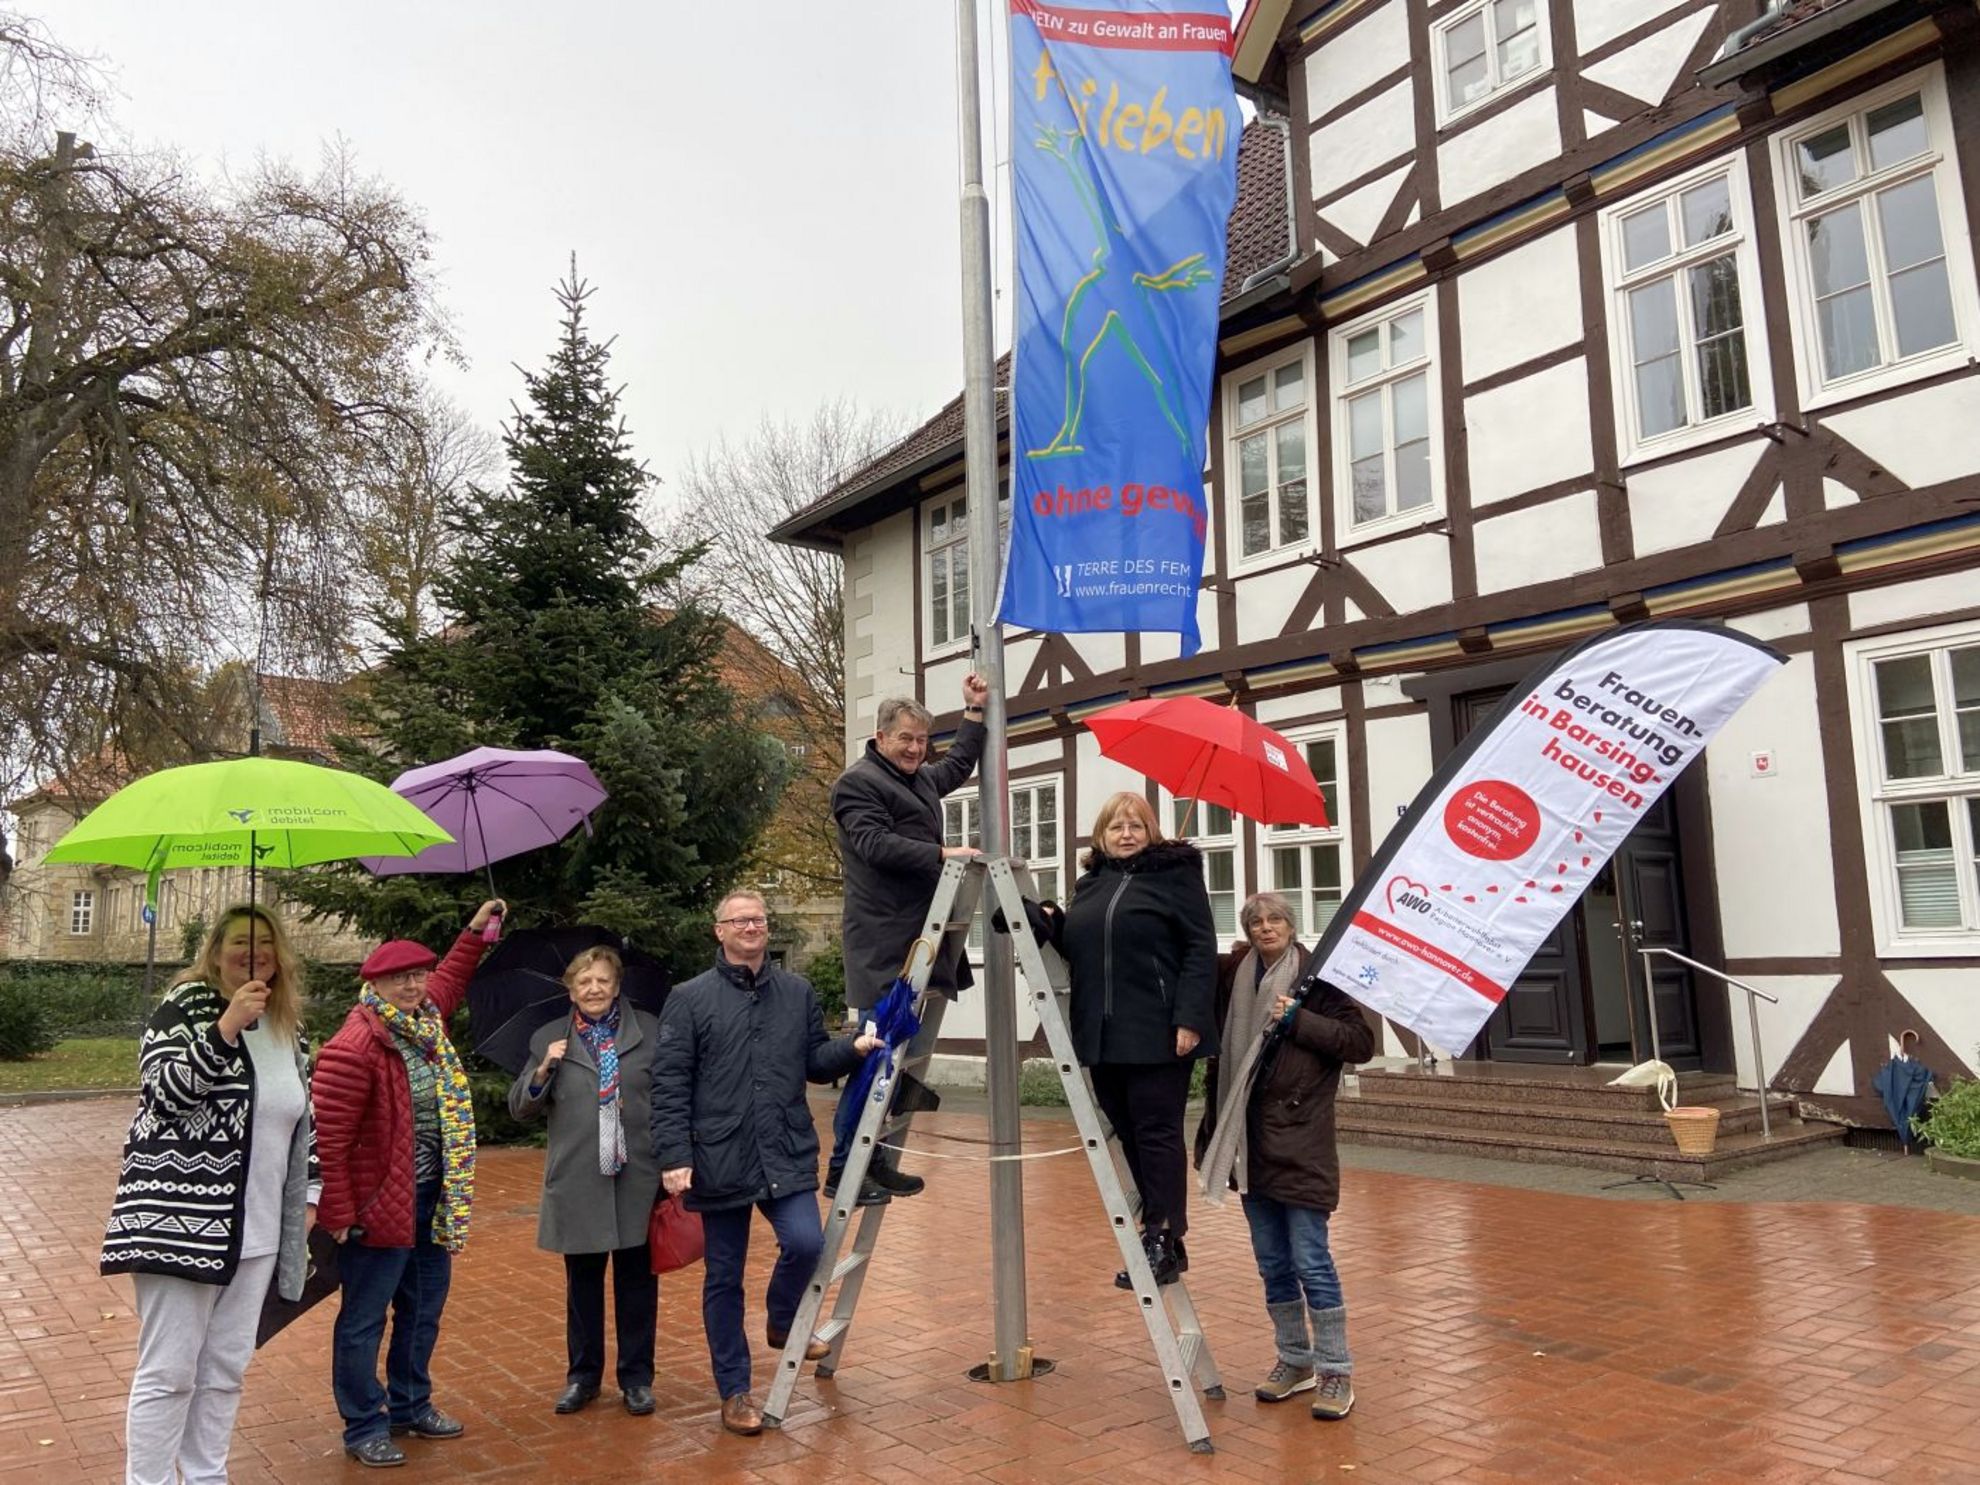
[1650, 894]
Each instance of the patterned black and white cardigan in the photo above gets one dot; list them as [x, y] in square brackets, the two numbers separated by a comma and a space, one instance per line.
[182, 1189]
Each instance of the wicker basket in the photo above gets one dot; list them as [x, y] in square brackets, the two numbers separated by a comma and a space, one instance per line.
[1695, 1130]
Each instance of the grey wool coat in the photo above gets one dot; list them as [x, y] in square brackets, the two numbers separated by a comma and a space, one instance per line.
[583, 1210]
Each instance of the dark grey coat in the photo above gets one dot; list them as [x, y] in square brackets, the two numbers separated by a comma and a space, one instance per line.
[734, 1053]
[890, 848]
[584, 1210]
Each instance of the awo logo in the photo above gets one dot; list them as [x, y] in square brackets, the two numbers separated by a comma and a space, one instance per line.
[1406, 896]
[1275, 756]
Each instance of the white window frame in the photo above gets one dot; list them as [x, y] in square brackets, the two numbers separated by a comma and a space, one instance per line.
[1309, 420]
[958, 641]
[1347, 531]
[82, 912]
[1940, 162]
[1276, 838]
[962, 805]
[1440, 78]
[1618, 281]
[1876, 794]
[1210, 844]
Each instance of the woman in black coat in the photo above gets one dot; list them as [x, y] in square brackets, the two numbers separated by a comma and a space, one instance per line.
[1142, 949]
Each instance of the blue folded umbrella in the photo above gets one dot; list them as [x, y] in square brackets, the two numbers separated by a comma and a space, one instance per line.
[1903, 1083]
[895, 1022]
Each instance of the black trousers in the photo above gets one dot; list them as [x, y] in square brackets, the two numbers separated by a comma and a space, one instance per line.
[635, 1305]
[1146, 1103]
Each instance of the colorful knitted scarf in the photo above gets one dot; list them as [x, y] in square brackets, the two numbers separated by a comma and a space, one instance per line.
[424, 1031]
[602, 1037]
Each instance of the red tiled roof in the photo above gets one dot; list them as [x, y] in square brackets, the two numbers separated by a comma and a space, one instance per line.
[300, 714]
[1259, 236]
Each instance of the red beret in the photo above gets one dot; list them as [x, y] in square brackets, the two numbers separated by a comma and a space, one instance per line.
[395, 955]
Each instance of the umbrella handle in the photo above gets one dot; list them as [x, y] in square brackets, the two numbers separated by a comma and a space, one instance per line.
[907, 964]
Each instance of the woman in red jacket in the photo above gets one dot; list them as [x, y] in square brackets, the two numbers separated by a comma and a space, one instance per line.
[395, 1140]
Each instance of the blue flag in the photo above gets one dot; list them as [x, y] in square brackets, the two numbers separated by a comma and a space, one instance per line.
[1124, 141]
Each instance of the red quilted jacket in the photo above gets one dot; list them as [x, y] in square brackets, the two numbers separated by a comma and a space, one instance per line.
[364, 1124]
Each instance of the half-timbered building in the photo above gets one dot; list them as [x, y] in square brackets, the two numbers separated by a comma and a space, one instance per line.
[1545, 316]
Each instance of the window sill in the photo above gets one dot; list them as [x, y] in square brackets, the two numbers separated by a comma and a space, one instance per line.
[1898, 374]
[1730, 429]
[1954, 944]
[1275, 559]
[1424, 519]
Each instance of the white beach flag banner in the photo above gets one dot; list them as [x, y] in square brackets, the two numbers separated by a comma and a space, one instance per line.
[1513, 826]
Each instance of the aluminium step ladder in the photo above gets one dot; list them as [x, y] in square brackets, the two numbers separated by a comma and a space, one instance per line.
[1174, 1328]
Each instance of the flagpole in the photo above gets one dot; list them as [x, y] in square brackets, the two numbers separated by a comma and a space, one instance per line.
[1011, 1360]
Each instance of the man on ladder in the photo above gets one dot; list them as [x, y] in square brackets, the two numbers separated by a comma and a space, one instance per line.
[888, 810]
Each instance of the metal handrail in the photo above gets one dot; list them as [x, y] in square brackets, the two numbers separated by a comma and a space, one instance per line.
[1752, 1017]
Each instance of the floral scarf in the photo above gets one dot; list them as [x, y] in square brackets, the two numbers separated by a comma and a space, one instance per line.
[602, 1037]
[425, 1031]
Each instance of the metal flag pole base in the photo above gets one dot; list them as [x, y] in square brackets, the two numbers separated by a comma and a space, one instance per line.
[1028, 1366]
[1669, 1184]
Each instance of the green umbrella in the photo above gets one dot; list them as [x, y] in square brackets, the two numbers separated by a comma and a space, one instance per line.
[251, 812]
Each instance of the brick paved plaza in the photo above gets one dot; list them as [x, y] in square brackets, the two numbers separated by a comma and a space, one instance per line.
[1501, 1334]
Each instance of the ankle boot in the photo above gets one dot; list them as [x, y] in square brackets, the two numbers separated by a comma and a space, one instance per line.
[1294, 1371]
[1334, 1393]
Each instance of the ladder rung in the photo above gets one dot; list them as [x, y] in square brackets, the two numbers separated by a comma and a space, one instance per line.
[846, 1265]
[894, 1126]
[832, 1329]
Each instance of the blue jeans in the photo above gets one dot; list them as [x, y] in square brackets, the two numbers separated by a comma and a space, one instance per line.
[794, 1219]
[845, 1124]
[412, 1284]
[1290, 1244]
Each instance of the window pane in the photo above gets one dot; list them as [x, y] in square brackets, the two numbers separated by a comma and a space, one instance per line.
[1897, 131]
[1216, 819]
[1966, 702]
[1412, 415]
[1909, 715]
[1365, 425]
[1286, 879]
[1021, 837]
[1406, 338]
[1251, 401]
[1326, 886]
[1219, 871]
[1840, 266]
[1707, 211]
[1646, 237]
[1364, 355]
[1464, 61]
[1255, 515]
[1659, 377]
[938, 596]
[1928, 879]
[1289, 386]
[1825, 161]
[1047, 883]
[1519, 37]
[1291, 441]
[1715, 317]
[1253, 476]
[1468, 81]
[1371, 501]
[1921, 296]
[1412, 407]
[959, 588]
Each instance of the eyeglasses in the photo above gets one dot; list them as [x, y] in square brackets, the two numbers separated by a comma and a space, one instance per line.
[755, 921]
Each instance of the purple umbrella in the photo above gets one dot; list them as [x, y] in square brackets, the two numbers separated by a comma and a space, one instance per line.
[500, 803]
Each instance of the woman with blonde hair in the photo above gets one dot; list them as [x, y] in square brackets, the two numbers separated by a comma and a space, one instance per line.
[1142, 949]
[585, 1070]
[217, 1191]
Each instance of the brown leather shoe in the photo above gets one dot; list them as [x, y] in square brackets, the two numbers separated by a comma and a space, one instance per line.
[817, 1351]
[740, 1414]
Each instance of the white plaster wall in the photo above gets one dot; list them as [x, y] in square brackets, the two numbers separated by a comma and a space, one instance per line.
[1922, 437]
[1370, 49]
[1945, 1000]
[1925, 598]
[941, 683]
[1030, 755]
[889, 545]
[1774, 623]
[1775, 878]
[1098, 777]
[1018, 655]
[1491, 153]
[1503, 321]
[1101, 652]
[1781, 1027]
[1157, 647]
[1529, 433]
[1398, 765]
[1412, 574]
[1539, 544]
[1265, 600]
[1835, 495]
[1275, 711]
[1649, 70]
[1377, 132]
[1680, 504]
[1358, 213]
[1598, 21]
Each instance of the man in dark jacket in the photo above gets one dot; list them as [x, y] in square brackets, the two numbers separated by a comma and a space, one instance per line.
[888, 809]
[732, 1131]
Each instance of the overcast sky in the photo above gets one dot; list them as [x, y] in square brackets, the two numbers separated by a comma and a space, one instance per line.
[766, 206]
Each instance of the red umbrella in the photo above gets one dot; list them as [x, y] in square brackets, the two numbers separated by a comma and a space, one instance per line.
[1213, 753]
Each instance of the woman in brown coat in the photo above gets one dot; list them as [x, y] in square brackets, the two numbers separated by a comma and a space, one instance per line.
[1286, 1034]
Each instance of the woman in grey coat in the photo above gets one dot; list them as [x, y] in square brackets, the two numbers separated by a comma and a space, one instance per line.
[599, 1175]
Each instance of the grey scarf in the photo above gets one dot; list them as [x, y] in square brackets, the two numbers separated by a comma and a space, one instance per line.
[1253, 994]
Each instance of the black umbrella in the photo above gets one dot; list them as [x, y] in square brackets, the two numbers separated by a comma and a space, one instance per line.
[520, 987]
[319, 1283]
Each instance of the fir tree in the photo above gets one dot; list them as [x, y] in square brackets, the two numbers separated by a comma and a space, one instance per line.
[554, 639]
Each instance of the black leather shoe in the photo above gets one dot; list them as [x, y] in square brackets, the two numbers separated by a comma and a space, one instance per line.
[871, 1192]
[575, 1397]
[897, 1183]
[639, 1401]
[377, 1454]
[1164, 1257]
[432, 1424]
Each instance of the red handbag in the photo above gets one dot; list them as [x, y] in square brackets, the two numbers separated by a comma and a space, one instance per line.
[673, 1236]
